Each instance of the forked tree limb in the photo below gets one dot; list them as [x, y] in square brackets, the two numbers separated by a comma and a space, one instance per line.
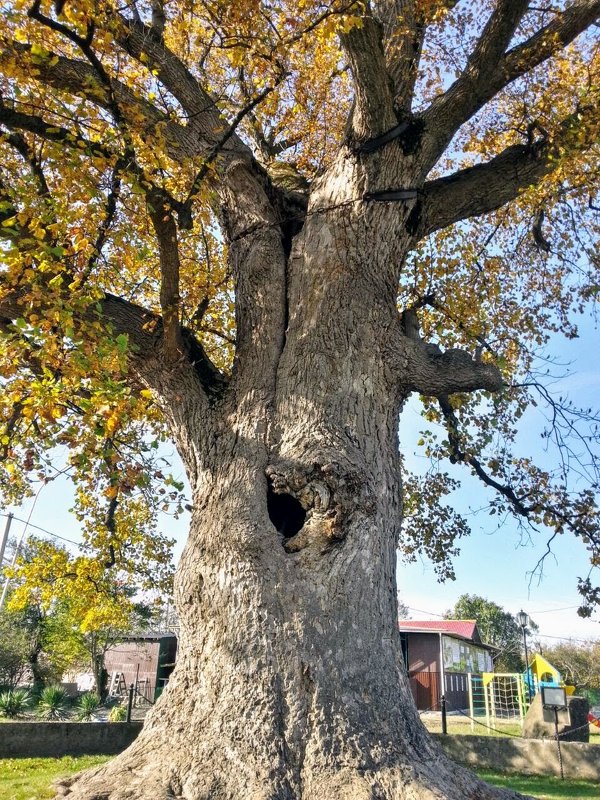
[373, 110]
[490, 69]
[403, 35]
[456, 104]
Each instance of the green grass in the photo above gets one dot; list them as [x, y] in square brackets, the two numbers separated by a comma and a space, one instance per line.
[31, 778]
[544, 787]
[459, 726]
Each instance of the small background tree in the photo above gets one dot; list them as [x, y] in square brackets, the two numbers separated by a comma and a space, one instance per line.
[579, 664]
[71, 611]
[14, 649]
[497, 627]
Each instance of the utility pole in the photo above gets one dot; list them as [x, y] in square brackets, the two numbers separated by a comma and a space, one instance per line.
[22, 538]
[12, 563]
[9, 519]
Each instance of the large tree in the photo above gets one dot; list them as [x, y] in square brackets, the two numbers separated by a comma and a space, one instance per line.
[243, 226]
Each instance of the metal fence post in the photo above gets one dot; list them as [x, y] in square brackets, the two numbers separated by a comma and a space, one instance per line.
[130, 701]
[444, 720]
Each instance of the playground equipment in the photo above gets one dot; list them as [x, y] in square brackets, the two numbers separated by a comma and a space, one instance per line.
[541, 673]
[505, 696]
[498, 697]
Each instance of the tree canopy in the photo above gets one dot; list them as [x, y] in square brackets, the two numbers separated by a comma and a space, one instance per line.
[120, 127]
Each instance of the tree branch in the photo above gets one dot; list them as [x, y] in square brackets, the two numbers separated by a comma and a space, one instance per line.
[260, 258]
[479, 189]
[373, 111]
[423, 367]
[490, 69]
[109, 216]
[124, 163]
[561, 31]
[485, 187]
[548, 507]
[202, 137]
[404, 28]
[247, 197]
[141, 43]
[165, 228]
[429, 371]
[18, 141]
[458, 455]
[81, 79]
[144, 330]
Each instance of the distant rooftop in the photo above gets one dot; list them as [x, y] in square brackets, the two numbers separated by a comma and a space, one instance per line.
[463, 628]
[148, 636]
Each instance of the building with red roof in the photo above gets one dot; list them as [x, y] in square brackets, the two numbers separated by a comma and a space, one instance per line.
[441, 656]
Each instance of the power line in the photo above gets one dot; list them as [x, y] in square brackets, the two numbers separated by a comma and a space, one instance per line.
[565, 638]
[534, 635]
[49, 533]
[20, 541]
[421, 611]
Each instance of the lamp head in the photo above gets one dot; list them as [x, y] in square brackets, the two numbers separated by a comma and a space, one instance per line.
[522, 618]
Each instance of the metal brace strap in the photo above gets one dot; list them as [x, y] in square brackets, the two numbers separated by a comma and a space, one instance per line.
[379, 141]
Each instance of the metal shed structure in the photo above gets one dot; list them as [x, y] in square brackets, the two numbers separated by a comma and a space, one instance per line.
[146, 660]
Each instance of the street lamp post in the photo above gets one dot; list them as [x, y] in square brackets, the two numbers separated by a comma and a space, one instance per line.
[523, 620]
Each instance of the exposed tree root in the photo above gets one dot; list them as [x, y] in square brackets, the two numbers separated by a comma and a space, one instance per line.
[162, 777]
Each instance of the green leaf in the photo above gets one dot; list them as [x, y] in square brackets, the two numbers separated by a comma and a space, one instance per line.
[122, 342]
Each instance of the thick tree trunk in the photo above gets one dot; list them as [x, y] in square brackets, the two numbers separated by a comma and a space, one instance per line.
[289, 683]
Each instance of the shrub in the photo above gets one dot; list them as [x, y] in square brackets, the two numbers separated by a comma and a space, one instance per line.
[14, 703]
[118, 714]
[53, 703]
[87, 706]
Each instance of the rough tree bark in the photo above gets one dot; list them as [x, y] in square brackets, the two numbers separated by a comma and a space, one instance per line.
[289, 682]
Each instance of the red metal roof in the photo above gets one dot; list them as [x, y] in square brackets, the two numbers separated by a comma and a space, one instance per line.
[465, 628]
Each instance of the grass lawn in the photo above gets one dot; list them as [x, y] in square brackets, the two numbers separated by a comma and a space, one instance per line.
[30, 778]
[459, 726]
[544, 787]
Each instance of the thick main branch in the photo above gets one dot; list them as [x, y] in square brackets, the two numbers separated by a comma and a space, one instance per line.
[373, 111]
[424, 368]
[485, 187]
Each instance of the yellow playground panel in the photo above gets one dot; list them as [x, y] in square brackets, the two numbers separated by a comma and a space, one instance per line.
[544, 674]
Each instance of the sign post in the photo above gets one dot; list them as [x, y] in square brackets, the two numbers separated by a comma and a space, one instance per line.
[555, 699]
